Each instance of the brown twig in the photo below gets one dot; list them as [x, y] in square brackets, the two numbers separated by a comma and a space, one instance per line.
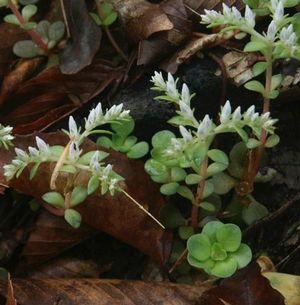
[62, 5]
[36, 38]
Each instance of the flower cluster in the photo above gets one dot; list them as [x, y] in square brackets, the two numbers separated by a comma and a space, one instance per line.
[5, 136]
[40, 153]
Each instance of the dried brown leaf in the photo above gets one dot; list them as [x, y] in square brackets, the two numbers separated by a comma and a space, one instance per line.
[85, 35]
[102, 292]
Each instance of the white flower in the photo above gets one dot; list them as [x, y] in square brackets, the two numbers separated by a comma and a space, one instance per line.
[9, 171]
[210, 16]
[185, 134]
[74, 151]
[95, 162]
[236, 13]
[249, 17]
[249, 113]
[279, 12]
[272, 30]
[172, 91]
[5, 136]
[204, 128]
[116, 112]
[225, 113]
[73, 130]
[186, 111]
[288, 36]
[159, 81]
[113, 185]
[21, 154]
[106, 173]
[42, 146]
[237, 114]
[185, 95]
[254, 116]
[33, 152]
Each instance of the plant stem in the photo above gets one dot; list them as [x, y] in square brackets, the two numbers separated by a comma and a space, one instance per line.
[199, 195]
[179, 260]
[142, 208]
[109, 34]
[36, 38]
[255, 155]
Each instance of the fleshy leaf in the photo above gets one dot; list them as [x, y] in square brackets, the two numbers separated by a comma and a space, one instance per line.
[73, 218]
[225, 268]
[229, 236]
[199, 246]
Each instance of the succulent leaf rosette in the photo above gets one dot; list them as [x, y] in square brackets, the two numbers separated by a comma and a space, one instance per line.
[218, 249]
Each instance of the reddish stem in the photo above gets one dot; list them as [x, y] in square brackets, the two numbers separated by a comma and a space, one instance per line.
[36, 38]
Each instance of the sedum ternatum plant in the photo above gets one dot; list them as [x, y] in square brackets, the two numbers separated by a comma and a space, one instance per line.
[72, 162]
[6, 136]
[279, 41]
[44, 35]
[188, 164]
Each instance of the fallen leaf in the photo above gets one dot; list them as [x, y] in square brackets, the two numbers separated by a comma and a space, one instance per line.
[200, 5]
[288, 285]
[246, 287]
[51, 95]
[116, 216]
[85, 35]
[51, 236]
[102, 292]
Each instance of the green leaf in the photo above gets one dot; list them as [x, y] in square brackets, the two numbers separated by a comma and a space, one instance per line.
[104, 141]
[71, 169]
[43, 28]
[199, 155]
[155, 168]
[93, 185]
[272, 141]
[252, 3]
[57, 150]
[254, 212]
[25, 49]
[291, 3]
[56, 31]
[256, 86]
[128, 143]
[225, 268]
[185, 192]
[218, 156]
[192, 179]
[259, 68]
[4, 274]
[273, 94]
[124, 128]
[139, 150]
[217, 252]
[55, 199]
[171, 216]
[211, 228]
[86, 158]
[208, 189]
[254, 46]
[34, 170]
[28, 11]
[110, 19]
[223, 183]
[215, 168]
[185, 232]
[169, 188]
[162, 139]
[243, 256]
[163, 178]
[29, 26]
[177, 174]
[11, 18]
[206, 265]
[79, 194]
[253, 143]
[276, 81]
[229, 236]
[207, 206]
[179, 120]
[106, 8]
[199, 246]
[73, 218]
[96, 18]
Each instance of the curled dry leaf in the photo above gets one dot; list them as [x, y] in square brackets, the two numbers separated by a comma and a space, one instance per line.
[85, 35]
[51, 95]
[102, 292]
[141, 18]
[116, 216]
[246, 287]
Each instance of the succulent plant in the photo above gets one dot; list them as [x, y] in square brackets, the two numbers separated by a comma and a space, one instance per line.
[218, 249]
